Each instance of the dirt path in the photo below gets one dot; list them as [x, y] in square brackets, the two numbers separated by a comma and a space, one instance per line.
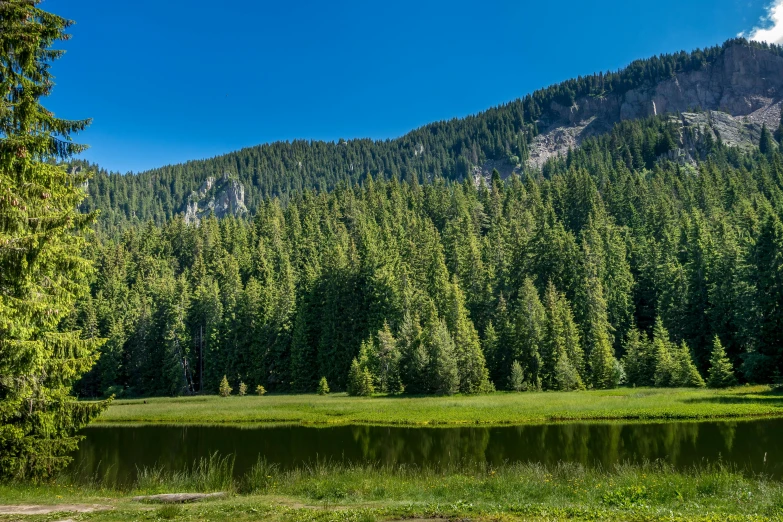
[40, 509]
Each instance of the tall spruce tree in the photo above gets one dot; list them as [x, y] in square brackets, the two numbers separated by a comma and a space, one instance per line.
[473, 374]
[42, 271]
[638, 360]
[444, 371]
[595, 322]
[529, 321]
[721, 374]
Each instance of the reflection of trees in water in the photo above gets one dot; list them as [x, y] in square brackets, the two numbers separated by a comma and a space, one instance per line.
[665, 441]
[728, 431]
[116, 453]
[435, 447]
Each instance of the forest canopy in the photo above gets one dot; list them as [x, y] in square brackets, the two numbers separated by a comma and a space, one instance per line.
[612, 266]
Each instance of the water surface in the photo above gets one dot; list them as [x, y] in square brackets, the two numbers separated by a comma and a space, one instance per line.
[753, 446]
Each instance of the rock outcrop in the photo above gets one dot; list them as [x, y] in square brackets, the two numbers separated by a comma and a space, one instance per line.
[745, 84]
[223, 197]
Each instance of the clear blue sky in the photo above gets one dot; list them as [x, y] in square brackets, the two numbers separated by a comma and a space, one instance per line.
[171, 80]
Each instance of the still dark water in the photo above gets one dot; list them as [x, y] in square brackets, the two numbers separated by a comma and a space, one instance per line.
[117, 452]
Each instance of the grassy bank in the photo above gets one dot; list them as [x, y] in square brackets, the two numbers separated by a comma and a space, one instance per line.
[370, 493]
[497, 408]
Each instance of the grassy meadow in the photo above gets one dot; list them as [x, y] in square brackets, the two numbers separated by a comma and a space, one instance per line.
[493, 409]
[371, 493]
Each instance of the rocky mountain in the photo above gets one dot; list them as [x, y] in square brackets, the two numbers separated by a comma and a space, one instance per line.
[222, 197]
[729, 91]
[741, 90]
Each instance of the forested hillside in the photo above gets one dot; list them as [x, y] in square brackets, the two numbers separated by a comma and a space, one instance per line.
[448, 149]
[610, 266]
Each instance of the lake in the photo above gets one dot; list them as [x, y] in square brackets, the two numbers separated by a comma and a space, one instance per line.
[754, 446]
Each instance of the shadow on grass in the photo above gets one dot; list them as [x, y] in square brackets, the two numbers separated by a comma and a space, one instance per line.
[772, 397]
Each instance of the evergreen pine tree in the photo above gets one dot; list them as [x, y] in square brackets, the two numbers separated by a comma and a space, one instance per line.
[516, 380]
[360, 380]
[471, 366]
[42, 271]
[414, 358]
[571, 339]
[355, 379]
[638, 361]
[491, 351]
[385, 361]
[529, 321]
[596, 327]
[686, 374]
[225, 389]
[662, 348]
[779, 131]
[721, 373]
[766, 145]
[444, 374]
[566, 377]
[323, 387]
[553, 338]
[767, 255]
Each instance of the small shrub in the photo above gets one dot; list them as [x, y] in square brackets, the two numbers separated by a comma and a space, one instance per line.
[242, 389]
[169, 511]
[323, 387]
[225, 389]
[260, 390]
[625, 497]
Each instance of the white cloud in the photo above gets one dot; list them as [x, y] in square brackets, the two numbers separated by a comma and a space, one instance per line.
[771, 28]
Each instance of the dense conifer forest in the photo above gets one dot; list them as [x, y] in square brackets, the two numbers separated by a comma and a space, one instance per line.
[445, 149]
[611, 266]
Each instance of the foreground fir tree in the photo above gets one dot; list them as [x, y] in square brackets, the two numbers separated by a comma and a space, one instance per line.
[42, 271]
[721, 374]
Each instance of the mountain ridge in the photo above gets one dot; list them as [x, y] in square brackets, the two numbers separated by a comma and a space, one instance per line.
[512, 138]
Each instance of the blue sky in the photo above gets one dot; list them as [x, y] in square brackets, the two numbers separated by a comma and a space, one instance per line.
[166, 81]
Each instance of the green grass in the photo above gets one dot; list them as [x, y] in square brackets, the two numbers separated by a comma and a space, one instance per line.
[374, 493]
[493, 409]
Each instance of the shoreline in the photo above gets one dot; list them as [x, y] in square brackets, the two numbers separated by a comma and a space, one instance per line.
[637, 405]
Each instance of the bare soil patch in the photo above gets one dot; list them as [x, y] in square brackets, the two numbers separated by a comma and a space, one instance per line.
[40, 509]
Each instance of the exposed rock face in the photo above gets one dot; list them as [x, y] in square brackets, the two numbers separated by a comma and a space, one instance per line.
[746, 84]
[224, 197]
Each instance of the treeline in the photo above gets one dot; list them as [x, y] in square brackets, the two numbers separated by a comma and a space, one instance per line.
[601, 271]
[447, 149]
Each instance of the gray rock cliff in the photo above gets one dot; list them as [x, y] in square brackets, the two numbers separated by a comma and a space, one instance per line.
[745, 85]
[222, 197]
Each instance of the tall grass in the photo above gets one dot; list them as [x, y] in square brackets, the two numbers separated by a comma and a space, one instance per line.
[526, 489]
[213, 473]
[648, 491]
